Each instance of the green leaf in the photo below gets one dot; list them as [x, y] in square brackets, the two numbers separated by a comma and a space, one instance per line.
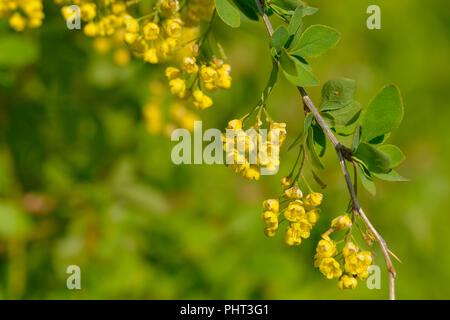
[289, 5]
[366, 179]
[315, 160]
[17, 51]
[309, 11]
[315, 41]
[320, 141]
[301, 138]
[279, 38]
[375, 160]
[248, 8]
[304, 76]
[356, 139]
[228, 13]
[392, 175]
[14, 222]
[346, 114]
[214, 47]
[295, 28]
[272, 80]
[337, 93]
[295, 25]
[288, 63]
[384, 113]
[350, 127]
[394, 153]
[380, 139]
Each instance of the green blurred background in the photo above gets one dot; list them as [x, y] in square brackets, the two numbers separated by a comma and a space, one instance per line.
[83, 182]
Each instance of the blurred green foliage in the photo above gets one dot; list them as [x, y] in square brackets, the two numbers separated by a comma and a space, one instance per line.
[82, 182]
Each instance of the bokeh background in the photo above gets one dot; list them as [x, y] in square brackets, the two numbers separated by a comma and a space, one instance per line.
[82, 181]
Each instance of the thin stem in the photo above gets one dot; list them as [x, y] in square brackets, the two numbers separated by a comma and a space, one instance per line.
[343, 154]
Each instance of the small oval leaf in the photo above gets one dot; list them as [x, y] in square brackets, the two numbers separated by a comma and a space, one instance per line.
[229, 14]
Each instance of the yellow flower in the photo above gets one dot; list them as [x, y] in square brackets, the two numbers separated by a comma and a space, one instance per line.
[357, 264]
[235, 124]
[121, 57]
[153, 119]
[341, 222]
[90, 29]
[151, 56]
[178, 87]
[252, 173]
[208, 74]
[102, 45]
[17, 22]
[224, 82]
[313, 216]
[330, 268]
[201, 100]
[173, 28]
[294, 211]
[303, 227]
[349, 249]
[172, 73]
[188, 120]
[34, 23]
[326, 248]
[347, 282]
[286, 182]
[88, 11]
[224, 69]
[271, 205]
[313, 199]
[189, 66]
[293, 193]
[171, 6]
[280, 128]
[130, 37]
[118, 8]
[270, 232]
[270, 219]
[210, 86]
[67, 12]
[131, 25]
[151, 31]
[292, 236]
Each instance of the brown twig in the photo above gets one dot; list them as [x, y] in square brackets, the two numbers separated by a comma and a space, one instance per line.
[344, 154]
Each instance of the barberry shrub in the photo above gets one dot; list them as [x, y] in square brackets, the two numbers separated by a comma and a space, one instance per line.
[181, 33]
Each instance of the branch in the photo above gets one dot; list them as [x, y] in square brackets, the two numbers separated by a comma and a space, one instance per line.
[344, 154]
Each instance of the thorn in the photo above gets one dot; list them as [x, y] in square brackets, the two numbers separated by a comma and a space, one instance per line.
[392, 254]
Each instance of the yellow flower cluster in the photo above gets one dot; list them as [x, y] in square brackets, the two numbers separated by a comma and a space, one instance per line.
[22, 14]
[120, 54]
[324, 259]
[244, 145]
[198, 10]
[154, 114]
[101, 18]
[153, 37]
[104, 20]
[355, 262]
[194, 77]
[302, 213]
[156, 37]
